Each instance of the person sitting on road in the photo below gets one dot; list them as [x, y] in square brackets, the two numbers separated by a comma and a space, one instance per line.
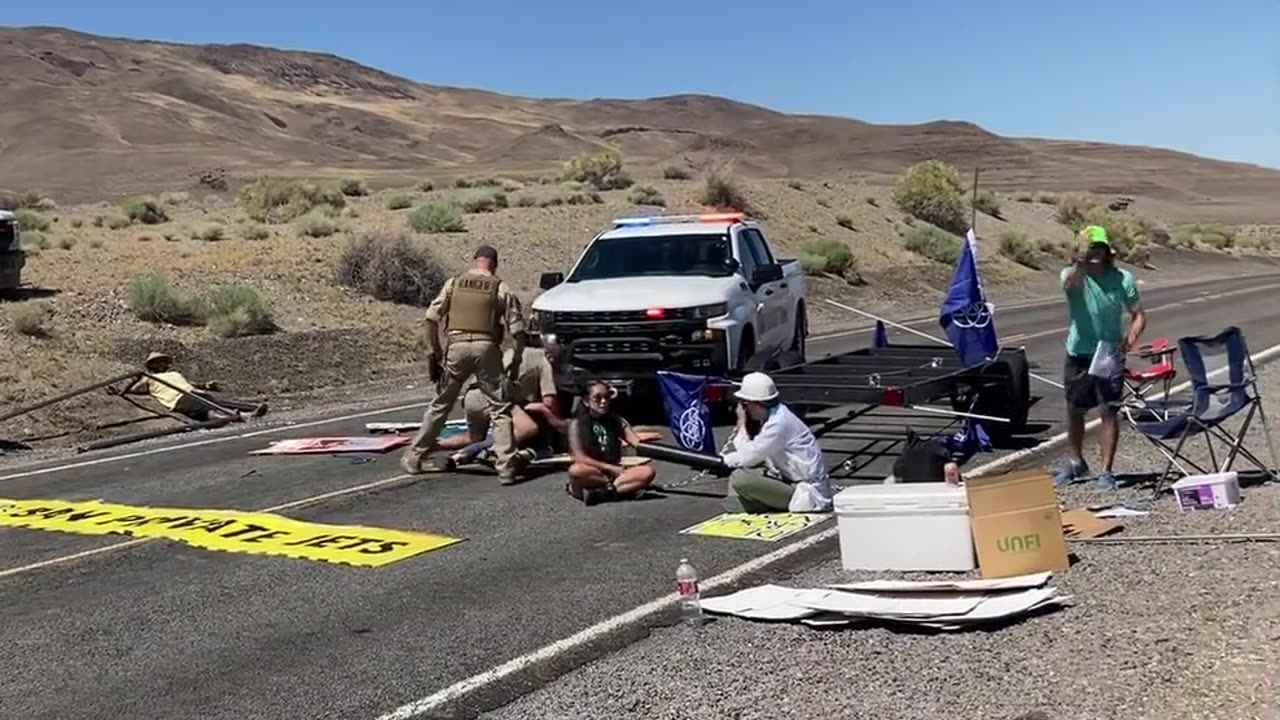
[596, 437]
[780, 468]
[539, 423]
[171, 389]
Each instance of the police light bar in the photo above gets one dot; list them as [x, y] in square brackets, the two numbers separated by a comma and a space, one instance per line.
[668, 219]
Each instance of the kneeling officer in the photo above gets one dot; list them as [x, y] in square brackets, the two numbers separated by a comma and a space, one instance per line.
[476, 308]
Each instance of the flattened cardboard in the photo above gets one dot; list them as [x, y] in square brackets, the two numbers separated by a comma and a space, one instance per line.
[1017, 527]
[1084, 524]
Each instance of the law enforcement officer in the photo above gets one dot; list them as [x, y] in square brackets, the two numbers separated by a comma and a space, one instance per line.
[477, 309]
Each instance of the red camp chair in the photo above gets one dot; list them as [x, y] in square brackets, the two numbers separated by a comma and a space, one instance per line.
[1141, 380]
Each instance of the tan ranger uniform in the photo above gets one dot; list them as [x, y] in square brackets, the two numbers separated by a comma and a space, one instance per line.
[537, 379]
[473, 309]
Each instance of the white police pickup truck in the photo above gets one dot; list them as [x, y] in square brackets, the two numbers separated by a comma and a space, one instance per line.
[702, 294]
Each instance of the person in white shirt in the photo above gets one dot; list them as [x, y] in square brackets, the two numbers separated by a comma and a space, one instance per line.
[779, 468]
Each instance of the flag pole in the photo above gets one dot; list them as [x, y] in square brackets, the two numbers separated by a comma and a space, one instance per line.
[973, 205]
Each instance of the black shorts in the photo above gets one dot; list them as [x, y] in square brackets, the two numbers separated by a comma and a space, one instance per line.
[1085, 392]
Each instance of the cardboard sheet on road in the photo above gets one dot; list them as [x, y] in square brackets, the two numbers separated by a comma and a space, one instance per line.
[769, 527]
[333, 445]
[254, 533]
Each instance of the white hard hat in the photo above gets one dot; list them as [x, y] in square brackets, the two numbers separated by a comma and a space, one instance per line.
[757, 387]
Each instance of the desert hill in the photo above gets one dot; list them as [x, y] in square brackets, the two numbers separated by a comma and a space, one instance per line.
[87, 117]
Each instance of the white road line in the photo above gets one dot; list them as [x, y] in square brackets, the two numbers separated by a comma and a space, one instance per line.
[461, 689]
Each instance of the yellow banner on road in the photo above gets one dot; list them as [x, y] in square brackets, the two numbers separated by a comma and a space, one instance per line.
[226, 530]
[769, 527]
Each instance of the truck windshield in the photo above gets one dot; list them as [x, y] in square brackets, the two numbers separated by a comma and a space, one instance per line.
[700, 255]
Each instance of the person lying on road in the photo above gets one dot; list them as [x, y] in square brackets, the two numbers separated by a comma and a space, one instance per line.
[596, 436]
[175, 393]
[539, 423]
[780, 468]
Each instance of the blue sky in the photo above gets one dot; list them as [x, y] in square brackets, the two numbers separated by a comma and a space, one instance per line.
[1173, 74]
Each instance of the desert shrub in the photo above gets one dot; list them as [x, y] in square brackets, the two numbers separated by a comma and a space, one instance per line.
[34, 241]
[987, 203]
[795, 185]
[1025, 197]
[646, 195]
[1046, 198]
[31, 319]
[146, 237]
[29, 200]
[1131, 237]
[66, 242]
[1217, 237]
[722, 192]
[562, 194]
[399, 201]
[675, 172]
[934, 243]
[29, 219]
[152, 299]
[280, 200]
[177, 197]
[146, 210]
[1016, 246]
[95, 243]
[931, 191]
[602, 170]
[315, 225]
[117, 221]
[238, 311]
[823, 202]
[353, 187]
[76, 223]
[1072, 210]
[437, 218]
[255, 231]
[98, 221]
[426, 186]
[825, 255]
[462, 183]
[389, 266]
[480, 200]
[873, 202]
[209, 232]
[845, 221]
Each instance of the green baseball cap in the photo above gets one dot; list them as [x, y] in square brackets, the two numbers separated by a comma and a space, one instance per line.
[1096, 234]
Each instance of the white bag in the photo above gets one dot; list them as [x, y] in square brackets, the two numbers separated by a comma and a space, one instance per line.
[1108, 361]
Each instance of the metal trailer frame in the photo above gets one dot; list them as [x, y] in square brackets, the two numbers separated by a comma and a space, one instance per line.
[889, 389]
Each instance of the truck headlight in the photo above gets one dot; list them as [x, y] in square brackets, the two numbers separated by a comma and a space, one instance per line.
[702, 312]
[545, 320]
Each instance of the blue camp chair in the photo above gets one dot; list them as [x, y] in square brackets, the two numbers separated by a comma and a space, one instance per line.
[1168, 421]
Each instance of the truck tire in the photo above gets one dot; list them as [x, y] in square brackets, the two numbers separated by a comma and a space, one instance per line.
[800, 341]
[1008, 396]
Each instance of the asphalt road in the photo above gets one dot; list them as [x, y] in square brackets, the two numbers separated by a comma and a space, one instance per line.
[162, 630]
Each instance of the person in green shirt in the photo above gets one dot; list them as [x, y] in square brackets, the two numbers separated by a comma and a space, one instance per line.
[1099, 297]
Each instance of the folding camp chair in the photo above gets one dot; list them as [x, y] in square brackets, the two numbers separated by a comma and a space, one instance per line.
[1166, 420]
[1144, 382]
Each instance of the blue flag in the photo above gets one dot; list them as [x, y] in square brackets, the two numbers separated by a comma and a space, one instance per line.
[688, 415]
[966, 316]
[881, 337]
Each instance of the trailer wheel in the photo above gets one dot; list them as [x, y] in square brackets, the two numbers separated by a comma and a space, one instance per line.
[1007, 395]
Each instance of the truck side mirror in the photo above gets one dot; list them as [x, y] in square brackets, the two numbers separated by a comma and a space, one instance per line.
[766, 274]
[550, 280]
[732, 265]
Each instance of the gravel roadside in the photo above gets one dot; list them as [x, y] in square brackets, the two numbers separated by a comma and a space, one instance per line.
[1156, 631]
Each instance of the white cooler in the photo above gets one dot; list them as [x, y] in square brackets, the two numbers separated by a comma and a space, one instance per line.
[906, 526]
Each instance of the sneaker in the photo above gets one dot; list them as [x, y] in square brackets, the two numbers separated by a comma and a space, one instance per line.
[411, 464]
[1070, 472]
[1107, 481]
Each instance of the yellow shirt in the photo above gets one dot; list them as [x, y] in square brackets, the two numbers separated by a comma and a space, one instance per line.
[165, 395]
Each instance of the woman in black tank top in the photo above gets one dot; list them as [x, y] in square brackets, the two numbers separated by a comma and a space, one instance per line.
[596, 437]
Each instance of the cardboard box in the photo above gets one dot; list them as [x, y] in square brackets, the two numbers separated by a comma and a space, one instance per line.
[1016, 524]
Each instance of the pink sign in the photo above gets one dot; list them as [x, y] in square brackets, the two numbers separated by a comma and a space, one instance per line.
[329, 445]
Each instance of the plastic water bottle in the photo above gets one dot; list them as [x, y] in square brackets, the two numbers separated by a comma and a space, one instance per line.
[690, 597]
